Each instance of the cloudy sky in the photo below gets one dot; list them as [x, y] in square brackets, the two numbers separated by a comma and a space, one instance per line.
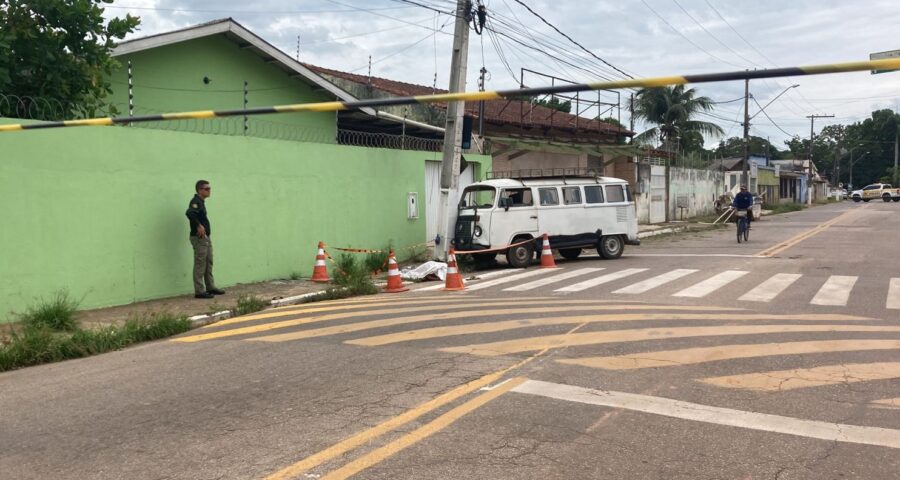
[639, 37]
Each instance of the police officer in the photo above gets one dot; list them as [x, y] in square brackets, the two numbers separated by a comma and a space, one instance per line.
[203, 251]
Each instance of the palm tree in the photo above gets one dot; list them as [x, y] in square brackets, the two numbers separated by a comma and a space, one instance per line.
[672, 109]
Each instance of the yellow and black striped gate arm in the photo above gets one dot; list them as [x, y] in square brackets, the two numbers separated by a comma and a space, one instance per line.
[883, 64]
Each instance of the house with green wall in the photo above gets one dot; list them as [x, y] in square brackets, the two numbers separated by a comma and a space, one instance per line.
[100, 211]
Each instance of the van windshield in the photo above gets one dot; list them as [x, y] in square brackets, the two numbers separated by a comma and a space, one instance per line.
[480, 197]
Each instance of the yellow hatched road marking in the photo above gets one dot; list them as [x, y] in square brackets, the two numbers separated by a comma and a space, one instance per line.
[506, 347]
[380, 454]
[887, 403]
[490, 327]
[389, 425]
[808, 377]
[690, 356]
[331, 307]
[775, 250]
[341, 316]
[478, 313]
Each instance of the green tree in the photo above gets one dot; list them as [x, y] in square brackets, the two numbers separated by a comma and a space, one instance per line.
[734, 147]
[58, 53]
[555, 103]
[673, 110]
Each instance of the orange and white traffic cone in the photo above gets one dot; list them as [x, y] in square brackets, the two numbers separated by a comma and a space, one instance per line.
[320, 273]
[454, 278]
[547, 254]
[395, 283]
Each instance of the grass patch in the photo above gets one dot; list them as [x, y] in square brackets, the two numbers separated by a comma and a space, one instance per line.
[296, 276]
[249, 304]
[56, 314]
[330, 294]
[377, 262]
[354, 276]
[783, 208]
[36, 345]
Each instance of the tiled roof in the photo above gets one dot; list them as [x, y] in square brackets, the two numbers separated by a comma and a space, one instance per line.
[511, 112]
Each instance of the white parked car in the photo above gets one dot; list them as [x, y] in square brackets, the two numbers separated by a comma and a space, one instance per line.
[576, 213]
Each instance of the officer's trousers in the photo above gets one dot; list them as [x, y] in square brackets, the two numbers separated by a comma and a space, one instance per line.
[203, 264]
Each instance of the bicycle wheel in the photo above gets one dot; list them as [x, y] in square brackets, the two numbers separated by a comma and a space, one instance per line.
[740, 230]
[746, 230]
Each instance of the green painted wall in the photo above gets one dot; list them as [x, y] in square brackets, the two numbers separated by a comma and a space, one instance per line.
[100, 211]
[170, 79]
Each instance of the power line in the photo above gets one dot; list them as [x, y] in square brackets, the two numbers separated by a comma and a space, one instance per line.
[418, 24]
[520, 2]
[770, 118]
[248, 12]
[398, 52]
[720, 42]
[698, 47]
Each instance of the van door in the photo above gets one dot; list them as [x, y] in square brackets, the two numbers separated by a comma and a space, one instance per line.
[520, 216]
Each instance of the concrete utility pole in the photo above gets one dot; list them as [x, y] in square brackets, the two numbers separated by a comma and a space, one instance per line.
[896, 156]
[453, 129]
[745, 178]
[809, 159]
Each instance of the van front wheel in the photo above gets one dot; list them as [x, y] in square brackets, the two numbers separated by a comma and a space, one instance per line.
[520, 255]
[611, 247]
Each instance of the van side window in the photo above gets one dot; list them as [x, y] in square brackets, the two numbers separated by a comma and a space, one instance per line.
[549, 196]
[593, 194]
[615, 193]
[571, 195]
[628, 196]
[521, 197]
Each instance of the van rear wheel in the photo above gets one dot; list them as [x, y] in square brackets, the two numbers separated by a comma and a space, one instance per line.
[570, 253]
[520, 255]
[611, 247]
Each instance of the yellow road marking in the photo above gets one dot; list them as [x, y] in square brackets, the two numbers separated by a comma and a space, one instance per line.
[490, 327]
[389, 425]
[639, 335]
[479, 313]
[342, 316]
[690, 356]
[380, 454]
[887, 403]
[808, 377]
[288, 311]
[775, 250]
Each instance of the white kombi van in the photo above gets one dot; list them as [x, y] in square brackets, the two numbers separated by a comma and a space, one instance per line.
[576, 213]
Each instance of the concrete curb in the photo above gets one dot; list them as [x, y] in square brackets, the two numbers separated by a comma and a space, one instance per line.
[661, 231]
[198, 321]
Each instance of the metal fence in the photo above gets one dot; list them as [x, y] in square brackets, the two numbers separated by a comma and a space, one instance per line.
[385, 140]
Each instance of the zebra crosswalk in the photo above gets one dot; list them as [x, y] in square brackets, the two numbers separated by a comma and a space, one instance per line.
[739, 285]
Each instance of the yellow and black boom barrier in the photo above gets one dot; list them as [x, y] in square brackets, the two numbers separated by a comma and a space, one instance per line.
[883, 64]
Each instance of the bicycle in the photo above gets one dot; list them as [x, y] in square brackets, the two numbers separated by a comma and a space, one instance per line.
[743, 225]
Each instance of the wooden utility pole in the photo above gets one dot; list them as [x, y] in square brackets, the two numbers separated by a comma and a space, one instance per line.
[809, 159]
[745, 178]
[453, 129]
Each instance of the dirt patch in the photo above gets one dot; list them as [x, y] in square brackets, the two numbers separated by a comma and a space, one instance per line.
[189, 306]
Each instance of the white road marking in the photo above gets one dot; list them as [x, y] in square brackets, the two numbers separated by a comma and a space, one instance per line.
[835, 292]
[711, 284]
[893, 298]
[511, 278]
[832, 432]
[556, 278]
[481, 276]
[768, 290]
[601, 280]
[659, 280]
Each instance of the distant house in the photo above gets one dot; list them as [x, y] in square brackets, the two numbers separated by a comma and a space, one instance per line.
[763, 176]
[522, 135]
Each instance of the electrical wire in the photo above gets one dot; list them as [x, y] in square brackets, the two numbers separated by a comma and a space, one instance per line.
[520, 2]
[698, 47]
[247, 12]
[770, 118]
[398, 52]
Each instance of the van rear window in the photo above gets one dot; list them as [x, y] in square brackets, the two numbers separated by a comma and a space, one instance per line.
[593, 194]
[615, 193]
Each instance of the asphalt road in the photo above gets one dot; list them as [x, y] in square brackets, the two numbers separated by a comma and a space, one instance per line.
[690, 357]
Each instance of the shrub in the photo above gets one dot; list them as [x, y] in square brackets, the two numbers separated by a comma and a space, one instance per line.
[57, 314]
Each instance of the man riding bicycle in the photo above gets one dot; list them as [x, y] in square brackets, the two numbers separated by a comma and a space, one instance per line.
[744, 201]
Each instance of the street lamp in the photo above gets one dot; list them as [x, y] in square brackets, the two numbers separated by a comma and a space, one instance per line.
[852, 161]
[773, 100]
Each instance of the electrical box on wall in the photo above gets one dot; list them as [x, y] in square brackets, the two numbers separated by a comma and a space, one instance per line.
[412, 205]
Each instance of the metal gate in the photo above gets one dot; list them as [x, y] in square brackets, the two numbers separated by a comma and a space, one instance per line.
[657, 194]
